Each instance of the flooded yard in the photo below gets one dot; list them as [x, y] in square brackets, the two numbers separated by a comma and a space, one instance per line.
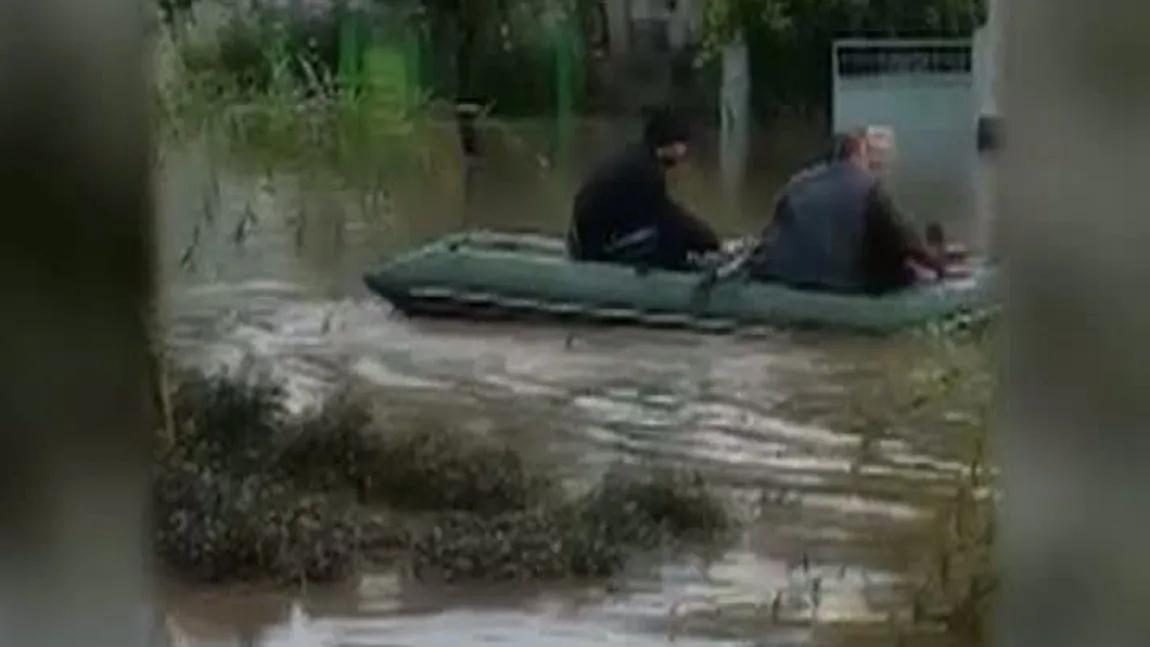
[268, 266]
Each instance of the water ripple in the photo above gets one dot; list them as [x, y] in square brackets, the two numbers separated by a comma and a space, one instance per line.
[709, 403]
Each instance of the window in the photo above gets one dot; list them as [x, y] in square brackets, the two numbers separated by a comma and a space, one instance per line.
[855, 60]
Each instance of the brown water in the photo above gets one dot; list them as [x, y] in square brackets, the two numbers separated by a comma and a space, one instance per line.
[826, 556]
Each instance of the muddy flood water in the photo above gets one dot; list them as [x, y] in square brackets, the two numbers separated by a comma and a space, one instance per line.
[265, 281]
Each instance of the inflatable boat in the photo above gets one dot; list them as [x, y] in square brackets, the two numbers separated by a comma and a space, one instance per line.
[478, 274]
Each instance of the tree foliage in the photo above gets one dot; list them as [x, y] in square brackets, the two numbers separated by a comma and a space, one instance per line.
[790, 40]
[792, 19]
[502, 52]
[494, 49]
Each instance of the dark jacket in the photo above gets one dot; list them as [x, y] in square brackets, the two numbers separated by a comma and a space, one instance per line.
[837, 229]
[623, 214]
[817, 238]
[890, 244]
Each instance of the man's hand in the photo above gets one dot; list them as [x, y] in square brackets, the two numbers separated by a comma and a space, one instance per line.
[938, 262]
[929, 271]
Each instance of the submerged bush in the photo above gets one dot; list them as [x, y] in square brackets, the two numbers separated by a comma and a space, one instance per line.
[509, 546]
[649, 506]
[434, 468]
[225, 425]
[588, 536]
[243, 491]
[423, 465]
[220, 510]
[216, 527]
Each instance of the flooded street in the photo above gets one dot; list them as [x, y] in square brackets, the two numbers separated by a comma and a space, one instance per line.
[269, 268]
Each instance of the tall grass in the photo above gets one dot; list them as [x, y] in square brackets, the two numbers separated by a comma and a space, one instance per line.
[947, 396]
[960, 578]
[231, 79]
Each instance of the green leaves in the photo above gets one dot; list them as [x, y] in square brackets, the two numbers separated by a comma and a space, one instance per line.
[781, 20]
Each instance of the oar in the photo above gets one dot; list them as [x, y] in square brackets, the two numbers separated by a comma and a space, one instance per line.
[739, 264]
[735, 268]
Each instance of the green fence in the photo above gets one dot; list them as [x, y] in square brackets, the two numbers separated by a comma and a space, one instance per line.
[393, 65]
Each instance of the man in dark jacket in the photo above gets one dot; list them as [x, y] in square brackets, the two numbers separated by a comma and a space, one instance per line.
[623, 213]
[837, 229]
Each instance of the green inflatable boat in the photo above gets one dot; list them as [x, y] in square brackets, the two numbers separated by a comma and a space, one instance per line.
[527, 276]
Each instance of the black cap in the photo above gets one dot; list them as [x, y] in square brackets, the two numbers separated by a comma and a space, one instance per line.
[663, 127]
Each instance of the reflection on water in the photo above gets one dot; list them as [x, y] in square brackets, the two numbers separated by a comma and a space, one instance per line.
[743, 597]
[824, 506]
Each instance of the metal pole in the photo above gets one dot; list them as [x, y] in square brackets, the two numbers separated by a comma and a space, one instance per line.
[466, 115]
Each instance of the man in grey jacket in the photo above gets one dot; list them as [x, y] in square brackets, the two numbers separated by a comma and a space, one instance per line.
[836, 229]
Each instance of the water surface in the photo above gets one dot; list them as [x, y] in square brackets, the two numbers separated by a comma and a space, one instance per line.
[268, 267]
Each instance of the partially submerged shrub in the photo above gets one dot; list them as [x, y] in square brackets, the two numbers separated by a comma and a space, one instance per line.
[217, 527]
[220, 510]
[431, 467]
[510, 546]
[333, 447]
[646, 506]
[245, 492]
[423, 466]
[588, 536]
[225, 423]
